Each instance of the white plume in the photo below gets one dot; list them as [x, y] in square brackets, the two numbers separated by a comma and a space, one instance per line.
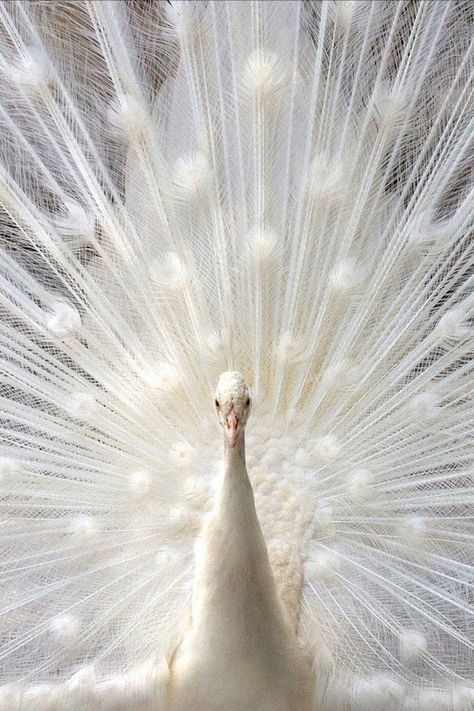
[278, 187]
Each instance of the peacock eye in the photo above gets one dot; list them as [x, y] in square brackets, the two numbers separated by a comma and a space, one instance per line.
[216, 403]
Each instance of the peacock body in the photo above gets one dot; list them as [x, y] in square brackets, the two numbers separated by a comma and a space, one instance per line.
[279, 188]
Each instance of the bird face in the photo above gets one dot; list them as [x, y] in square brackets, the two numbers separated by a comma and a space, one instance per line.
[232, 403]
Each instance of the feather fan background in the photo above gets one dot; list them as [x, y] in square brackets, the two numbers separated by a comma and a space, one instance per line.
[279, 187]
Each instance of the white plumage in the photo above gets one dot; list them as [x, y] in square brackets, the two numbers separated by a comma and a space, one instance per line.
[279, 188]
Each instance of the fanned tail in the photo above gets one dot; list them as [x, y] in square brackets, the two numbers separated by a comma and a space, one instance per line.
[280, 187]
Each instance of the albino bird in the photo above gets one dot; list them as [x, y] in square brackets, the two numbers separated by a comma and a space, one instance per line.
[241, 651]
[278, 188]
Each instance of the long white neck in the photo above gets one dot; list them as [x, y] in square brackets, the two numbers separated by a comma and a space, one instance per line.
[234, 577]
[235, 499]
[241, 652]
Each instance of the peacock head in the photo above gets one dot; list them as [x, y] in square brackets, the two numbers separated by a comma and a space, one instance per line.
[232, 401]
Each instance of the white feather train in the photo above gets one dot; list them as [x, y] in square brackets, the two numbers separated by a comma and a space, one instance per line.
[282, 188]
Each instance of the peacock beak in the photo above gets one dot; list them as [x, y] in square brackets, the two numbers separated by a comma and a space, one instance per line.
[231, 427]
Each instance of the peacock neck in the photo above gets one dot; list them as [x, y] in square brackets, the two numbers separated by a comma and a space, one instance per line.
[236, 490]
[233, 556]
[235, 456]
[240, 641]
